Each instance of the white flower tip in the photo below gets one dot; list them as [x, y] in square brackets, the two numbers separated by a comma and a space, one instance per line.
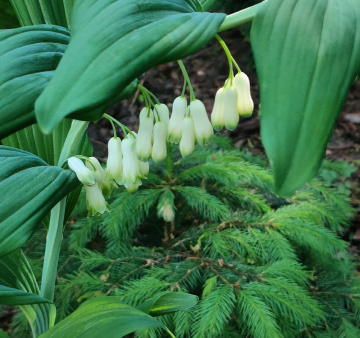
[84, 174]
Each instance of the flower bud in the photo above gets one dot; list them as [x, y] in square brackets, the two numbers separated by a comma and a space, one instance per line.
[231, 116]
[159, 147]
[143, 168]
[245, 104]
[217, 115]
[144, 138]
[84, 175]
[164, 113]
[102, 178]
[134, 187]
[187, 142]
[114, 165]
[95, 201]
[130, 162]
[98, 171]
[203, 127]
[176, 119]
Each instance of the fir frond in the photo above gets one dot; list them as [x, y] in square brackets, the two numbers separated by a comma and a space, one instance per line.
[213, 172]
[255, 317]
[208, 206]
[214, 312]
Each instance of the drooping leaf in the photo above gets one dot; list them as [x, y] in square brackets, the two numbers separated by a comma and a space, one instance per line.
[112, 43]
[29, 189]
[48, 147]
[10, 296]
[103, 316]
[168, 302]
[305, 70]
[16, 273]
[28, 56]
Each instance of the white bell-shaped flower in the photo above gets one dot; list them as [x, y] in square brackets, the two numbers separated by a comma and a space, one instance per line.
[217, 115]
[203, 127]
[159, 146]
[176, 119]
[130, 161]
[164, 114]
[95, 201]
[187, 142]
[144, 138]
[231, 116]
[102, 178]
[84, 175]
[245, 104]
[114, 165]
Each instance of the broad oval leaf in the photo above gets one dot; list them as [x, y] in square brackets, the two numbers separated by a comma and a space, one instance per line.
[307, 54]
[102, 316]
[168, 302]
[10, 296]
[28, 57]
[29, 189]
[112, 43]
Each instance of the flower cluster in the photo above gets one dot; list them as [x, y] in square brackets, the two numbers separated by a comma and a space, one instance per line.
[127, 162]
[189, 125]
[231, 101]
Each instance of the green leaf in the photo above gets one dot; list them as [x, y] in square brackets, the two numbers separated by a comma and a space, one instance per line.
[16, 273]
[307, 55]
[103, 316]
[112, 43]
[48, 147]
[10, 296]
[3, 334]
[29, 188]
[27, 59]
[168, 302]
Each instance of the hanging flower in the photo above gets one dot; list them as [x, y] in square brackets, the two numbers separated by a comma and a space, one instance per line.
[114, 165]
[164, 114]
[203, 127]
[231, 116]
[176, 119]
[187, 142]
[144, 138]
[95, 201]
[144, 168]
[102, 179]
[130, 161]
[217, 115]
[245, 104]
[159, 147]
[84, 175]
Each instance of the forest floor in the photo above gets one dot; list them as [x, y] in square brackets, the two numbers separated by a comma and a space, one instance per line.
[208, 70]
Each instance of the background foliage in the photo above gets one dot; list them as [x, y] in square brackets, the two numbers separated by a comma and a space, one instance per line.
[262, 266]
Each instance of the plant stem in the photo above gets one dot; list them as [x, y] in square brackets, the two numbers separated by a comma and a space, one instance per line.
[74, 136]
[169, 162]
[187, 79]
[241, 17]
[52, 250]
[55, 232]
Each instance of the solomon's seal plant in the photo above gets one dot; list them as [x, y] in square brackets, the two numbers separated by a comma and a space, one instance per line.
[71, 60]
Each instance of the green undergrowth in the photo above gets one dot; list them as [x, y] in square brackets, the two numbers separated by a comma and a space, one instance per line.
[209, 224]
